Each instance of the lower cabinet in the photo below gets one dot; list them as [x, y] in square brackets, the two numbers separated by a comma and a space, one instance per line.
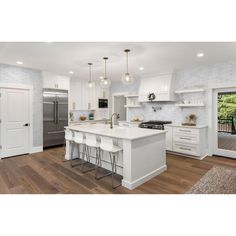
[187, 141]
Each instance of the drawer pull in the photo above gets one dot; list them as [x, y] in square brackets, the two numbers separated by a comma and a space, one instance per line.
[185, 138]
[183, 148]
[184, 130]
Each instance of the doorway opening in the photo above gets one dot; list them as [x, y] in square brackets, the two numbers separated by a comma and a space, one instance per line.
[225, 122]
[118, 106]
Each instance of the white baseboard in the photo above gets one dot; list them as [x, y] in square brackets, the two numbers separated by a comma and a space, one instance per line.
[143, 179]
[36, 149]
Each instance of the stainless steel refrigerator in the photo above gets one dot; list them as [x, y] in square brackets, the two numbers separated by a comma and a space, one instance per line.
[55, 116]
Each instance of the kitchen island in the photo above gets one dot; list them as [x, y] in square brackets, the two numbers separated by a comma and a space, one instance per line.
[143, 156]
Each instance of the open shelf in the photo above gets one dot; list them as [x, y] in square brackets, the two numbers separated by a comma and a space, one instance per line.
[131, 95]
[190, 105]
[190, 91]
[129, 106]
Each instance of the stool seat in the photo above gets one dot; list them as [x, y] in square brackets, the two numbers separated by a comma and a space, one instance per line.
[112, 149]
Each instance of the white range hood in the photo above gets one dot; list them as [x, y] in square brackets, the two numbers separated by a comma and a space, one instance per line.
[162, 86]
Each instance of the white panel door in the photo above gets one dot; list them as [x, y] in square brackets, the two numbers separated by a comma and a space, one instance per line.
[15, 125]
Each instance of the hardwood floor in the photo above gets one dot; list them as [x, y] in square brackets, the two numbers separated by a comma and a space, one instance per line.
[48, 173]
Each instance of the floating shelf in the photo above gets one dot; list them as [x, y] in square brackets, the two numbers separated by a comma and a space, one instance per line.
[129, 106]
[190, 105]
[132, 96]
[190, 91]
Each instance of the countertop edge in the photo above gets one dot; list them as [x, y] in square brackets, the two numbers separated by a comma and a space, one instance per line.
[186, 126]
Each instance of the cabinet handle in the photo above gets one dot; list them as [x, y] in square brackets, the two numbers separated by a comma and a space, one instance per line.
[185, 138]
[188, 149]
[184, 130]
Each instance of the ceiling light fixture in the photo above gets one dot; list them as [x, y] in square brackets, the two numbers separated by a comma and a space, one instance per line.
[90, 82]
[200, 54]
[19, 62]
[127, 78]
[105, 82]
[141, 68]
[71, 72]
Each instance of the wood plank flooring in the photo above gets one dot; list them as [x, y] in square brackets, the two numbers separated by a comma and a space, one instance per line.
[48, 173]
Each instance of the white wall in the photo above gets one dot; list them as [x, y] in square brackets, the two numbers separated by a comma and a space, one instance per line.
[14, 74]
[205, 76]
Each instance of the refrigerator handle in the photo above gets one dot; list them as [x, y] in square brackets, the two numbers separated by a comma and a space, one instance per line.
[57, 115]
[54, 112]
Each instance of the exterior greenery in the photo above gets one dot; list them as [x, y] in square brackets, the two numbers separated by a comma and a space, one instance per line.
[227, 106]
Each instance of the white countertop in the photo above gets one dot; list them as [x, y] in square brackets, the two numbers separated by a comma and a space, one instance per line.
[187, 126]
[130, 133]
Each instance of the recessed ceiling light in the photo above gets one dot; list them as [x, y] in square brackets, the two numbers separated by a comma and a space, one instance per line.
[200, 54]
[19, 62]
[100, 77]
[71, 72]
[141, 68]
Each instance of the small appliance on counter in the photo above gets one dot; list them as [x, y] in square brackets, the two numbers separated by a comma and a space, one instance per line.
[154, 124]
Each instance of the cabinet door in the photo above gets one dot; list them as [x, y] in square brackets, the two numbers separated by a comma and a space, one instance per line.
[62, 82]
[169, 140]
[75, 95]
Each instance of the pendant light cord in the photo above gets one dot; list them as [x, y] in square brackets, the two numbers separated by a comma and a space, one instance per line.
[127, 67]
[89, 73]
[105, 68]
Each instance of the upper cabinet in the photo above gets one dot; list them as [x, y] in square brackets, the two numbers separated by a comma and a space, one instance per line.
[84, 98]
[53, 81]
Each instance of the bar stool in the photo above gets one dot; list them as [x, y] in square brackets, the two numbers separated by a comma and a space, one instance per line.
[79, 139]
[113, 150]
[92, 142]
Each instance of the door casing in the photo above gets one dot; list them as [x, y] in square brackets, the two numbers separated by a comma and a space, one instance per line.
[216, 150]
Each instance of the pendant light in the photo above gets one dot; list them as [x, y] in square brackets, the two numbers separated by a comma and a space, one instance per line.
[90, 82]
[127, 78]
[105, 82]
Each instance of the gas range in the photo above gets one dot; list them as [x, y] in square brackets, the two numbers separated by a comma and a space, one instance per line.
[154, 124]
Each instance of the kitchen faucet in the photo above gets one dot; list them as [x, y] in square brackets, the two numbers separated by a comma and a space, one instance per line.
[117, 116]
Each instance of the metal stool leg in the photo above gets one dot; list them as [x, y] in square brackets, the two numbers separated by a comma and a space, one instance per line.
[88, 154]
[114, 171]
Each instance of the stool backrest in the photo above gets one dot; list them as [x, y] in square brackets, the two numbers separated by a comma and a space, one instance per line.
[78, 137]
[106, 143]
[91, 140]
[68, 135]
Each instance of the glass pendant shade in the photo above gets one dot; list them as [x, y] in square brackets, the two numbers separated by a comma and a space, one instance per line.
[127, 78]
[105, 82]
[90, 82]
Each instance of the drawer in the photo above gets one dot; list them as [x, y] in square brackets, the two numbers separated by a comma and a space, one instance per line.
[186, 149]
[187, 131]
[188, 139]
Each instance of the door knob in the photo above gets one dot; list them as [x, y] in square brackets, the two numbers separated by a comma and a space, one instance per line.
[26, 124]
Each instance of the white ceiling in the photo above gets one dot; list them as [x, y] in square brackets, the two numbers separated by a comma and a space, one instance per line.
[156, 58]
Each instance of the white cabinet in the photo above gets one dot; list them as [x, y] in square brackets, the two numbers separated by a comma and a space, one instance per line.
[84, 98]
[53, 81]
[169, 138]
[187, 140]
